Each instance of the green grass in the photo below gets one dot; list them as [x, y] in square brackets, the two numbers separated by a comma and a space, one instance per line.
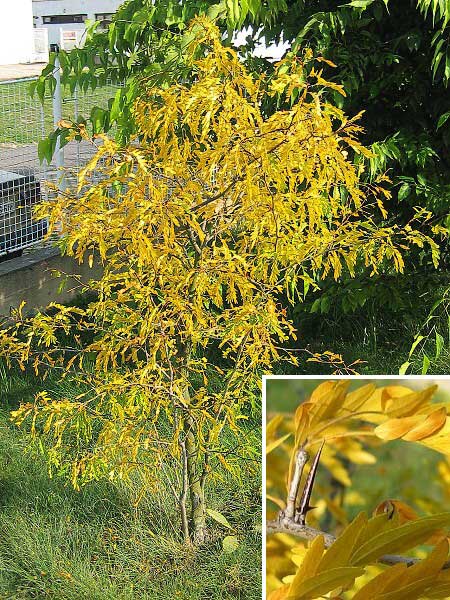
[21, 117]
[97, 544]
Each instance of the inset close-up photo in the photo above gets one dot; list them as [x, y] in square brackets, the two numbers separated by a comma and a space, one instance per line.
[357, 488]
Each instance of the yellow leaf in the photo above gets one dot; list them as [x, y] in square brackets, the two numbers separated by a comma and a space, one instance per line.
[328, 398]
[391, 392]
[397, 428]
[309, 564]
[279, 594]
[301, 422]
[355, 400]
[407, 592]
[280, 503]
[432, 564]
[399, 539]
[375, 586]
[323, 583]
[273, 425]
[431, 425]
[338, 554]
[270, 447]
[375, 526]
[406, 405]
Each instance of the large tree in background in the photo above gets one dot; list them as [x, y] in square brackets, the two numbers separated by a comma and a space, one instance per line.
[392, 60]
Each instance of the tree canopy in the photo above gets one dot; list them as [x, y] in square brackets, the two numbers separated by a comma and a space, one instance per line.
[391, 59]
[201, 224]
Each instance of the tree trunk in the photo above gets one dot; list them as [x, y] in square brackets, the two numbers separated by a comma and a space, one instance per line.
[196, 491]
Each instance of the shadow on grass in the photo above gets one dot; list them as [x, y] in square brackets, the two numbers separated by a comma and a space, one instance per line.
[97, 544]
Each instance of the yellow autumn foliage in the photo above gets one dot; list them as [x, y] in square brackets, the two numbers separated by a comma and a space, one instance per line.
[201, 225]
[352, 424]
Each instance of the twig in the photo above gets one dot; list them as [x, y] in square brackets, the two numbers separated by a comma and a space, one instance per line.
[284, 525]
[304, 506]
[301, 459]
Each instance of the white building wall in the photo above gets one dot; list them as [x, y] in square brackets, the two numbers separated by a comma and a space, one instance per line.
[16, 31]
[46, 8]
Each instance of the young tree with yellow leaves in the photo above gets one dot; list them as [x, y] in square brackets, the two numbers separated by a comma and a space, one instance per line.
[201, 224]
[365, 561]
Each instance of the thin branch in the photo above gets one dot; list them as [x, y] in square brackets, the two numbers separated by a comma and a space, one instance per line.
[301, 459]
[183, 496]
[285, 525]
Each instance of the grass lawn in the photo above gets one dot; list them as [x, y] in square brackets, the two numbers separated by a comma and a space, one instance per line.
[23, 120]
[98, 545]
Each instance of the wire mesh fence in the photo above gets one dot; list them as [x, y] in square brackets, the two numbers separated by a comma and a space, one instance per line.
[24, 180]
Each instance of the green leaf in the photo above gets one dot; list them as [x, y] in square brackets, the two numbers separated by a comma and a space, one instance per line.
[416, 342]
[46, 148]
[442, 120]
[360, 3]
[447, 68]
[425, 364]
[315, 305]
[439, 344]
[404, 368]
[116, 105]
[325, 304]
[215, 10]
[404, 191]
[217, 516]
[436, 62]
[230, 544]
[99, 118]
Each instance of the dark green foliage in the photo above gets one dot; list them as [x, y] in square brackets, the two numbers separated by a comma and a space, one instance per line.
[386, 59]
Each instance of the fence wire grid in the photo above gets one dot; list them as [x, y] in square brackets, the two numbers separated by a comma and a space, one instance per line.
[24, 120]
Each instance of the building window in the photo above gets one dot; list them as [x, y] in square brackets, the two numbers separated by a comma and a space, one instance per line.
[104, 16]
[60, 19]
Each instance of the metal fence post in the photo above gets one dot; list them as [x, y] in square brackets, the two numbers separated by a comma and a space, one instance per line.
[75, 116]
[57, 116]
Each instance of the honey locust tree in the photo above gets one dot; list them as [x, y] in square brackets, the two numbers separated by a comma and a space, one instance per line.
[345, 429]
[201, 224]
